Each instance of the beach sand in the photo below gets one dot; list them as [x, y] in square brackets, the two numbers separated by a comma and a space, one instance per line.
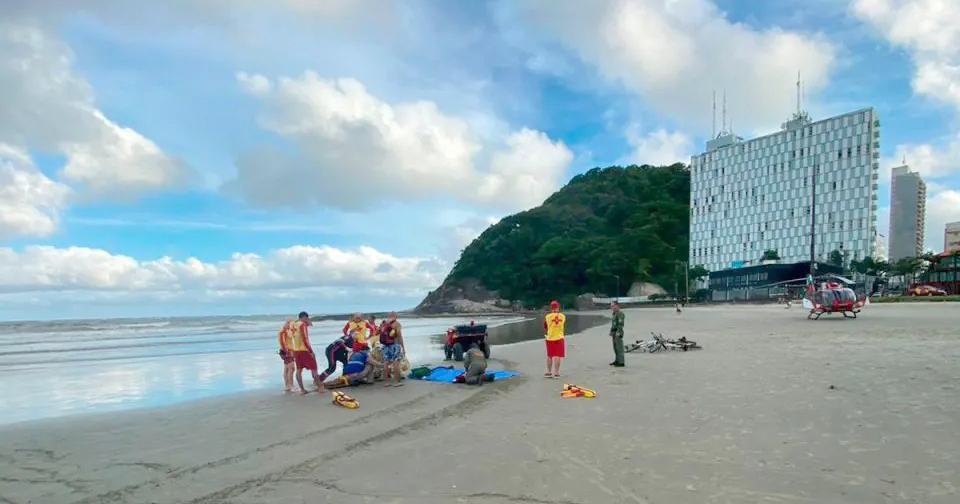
[775, 408]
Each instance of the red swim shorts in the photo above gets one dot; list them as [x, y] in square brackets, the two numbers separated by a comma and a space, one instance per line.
[556, 348]
[305, 360]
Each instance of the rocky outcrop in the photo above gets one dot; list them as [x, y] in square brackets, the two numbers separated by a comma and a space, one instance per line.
[643, 289]
[585, 301]
[468, 296]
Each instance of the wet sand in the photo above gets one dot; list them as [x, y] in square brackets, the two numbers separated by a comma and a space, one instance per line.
[775, 408]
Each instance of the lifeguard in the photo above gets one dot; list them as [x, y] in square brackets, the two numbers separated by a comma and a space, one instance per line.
[359, 329]
[303, 355]
[553, 325]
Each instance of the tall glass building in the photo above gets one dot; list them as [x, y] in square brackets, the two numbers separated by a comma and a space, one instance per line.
[749, 196]
[908, 213]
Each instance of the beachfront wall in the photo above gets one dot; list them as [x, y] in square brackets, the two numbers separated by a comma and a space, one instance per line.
[621, 300]
[763, 282]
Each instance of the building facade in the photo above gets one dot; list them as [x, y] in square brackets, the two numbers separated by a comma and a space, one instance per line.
[762, 282]
[908, 204]
[748, 196]
[880, 248]
[951, 237]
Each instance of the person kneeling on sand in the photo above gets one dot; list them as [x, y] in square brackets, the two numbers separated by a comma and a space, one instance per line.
[475, 364]
[338, 351]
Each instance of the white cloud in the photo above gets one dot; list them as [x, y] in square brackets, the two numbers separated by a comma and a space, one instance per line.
[674, 53]
[929, 161]
[357, 151]
[659, 147]
[930, 30]
[254, 84]
[942, 207]
[526, 171]
[42, 268]
[30, 203]
[49, 108]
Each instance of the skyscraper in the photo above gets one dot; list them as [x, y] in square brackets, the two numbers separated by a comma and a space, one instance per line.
[951, 237]
[908, 204]
[750, 196]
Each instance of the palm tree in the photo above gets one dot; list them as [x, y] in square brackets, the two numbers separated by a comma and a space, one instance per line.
[908, 267]
[881, 267]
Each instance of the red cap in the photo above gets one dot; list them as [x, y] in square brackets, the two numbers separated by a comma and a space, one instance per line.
[554, 304]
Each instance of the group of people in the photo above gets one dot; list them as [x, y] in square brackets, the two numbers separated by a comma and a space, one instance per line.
[553, 326]
[366, 350]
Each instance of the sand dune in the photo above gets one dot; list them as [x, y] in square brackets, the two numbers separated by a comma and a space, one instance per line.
[775, 408]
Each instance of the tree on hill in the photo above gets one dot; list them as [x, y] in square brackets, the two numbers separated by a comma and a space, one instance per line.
[630, 223]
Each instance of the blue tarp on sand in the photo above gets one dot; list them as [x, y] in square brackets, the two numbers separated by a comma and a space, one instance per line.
[447, 375]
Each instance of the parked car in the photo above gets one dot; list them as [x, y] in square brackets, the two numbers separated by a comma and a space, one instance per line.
[925, 290]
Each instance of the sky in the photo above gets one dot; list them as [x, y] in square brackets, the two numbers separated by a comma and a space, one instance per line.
[201, 157]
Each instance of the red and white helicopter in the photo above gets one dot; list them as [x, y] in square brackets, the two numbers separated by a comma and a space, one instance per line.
[832, 297]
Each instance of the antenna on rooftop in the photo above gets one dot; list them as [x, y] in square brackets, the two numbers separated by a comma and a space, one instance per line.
[714, 114]
[724, 127]
[799, 106]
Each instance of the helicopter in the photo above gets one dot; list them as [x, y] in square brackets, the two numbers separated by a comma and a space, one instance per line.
[833, 297]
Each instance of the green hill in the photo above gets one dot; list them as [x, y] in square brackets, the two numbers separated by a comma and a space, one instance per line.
[632, 222]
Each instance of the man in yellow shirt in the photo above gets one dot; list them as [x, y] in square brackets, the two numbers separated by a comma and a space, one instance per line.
[553, 325]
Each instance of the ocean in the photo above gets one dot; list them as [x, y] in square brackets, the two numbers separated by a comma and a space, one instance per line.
[58, 368]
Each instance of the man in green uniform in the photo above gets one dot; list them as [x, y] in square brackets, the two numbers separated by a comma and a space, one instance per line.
[616, 334]
[474, 365]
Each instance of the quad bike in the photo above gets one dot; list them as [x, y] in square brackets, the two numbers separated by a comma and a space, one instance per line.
[465, 337]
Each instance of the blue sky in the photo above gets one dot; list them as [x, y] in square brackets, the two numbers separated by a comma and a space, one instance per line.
[185, 158]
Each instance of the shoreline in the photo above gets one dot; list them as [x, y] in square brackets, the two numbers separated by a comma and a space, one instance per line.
[495, 333]
[243, 370]
[761, 413]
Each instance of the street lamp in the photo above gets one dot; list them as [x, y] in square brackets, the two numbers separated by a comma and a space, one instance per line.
[813, 221]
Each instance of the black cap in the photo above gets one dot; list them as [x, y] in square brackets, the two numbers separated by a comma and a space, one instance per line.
[303, 314]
